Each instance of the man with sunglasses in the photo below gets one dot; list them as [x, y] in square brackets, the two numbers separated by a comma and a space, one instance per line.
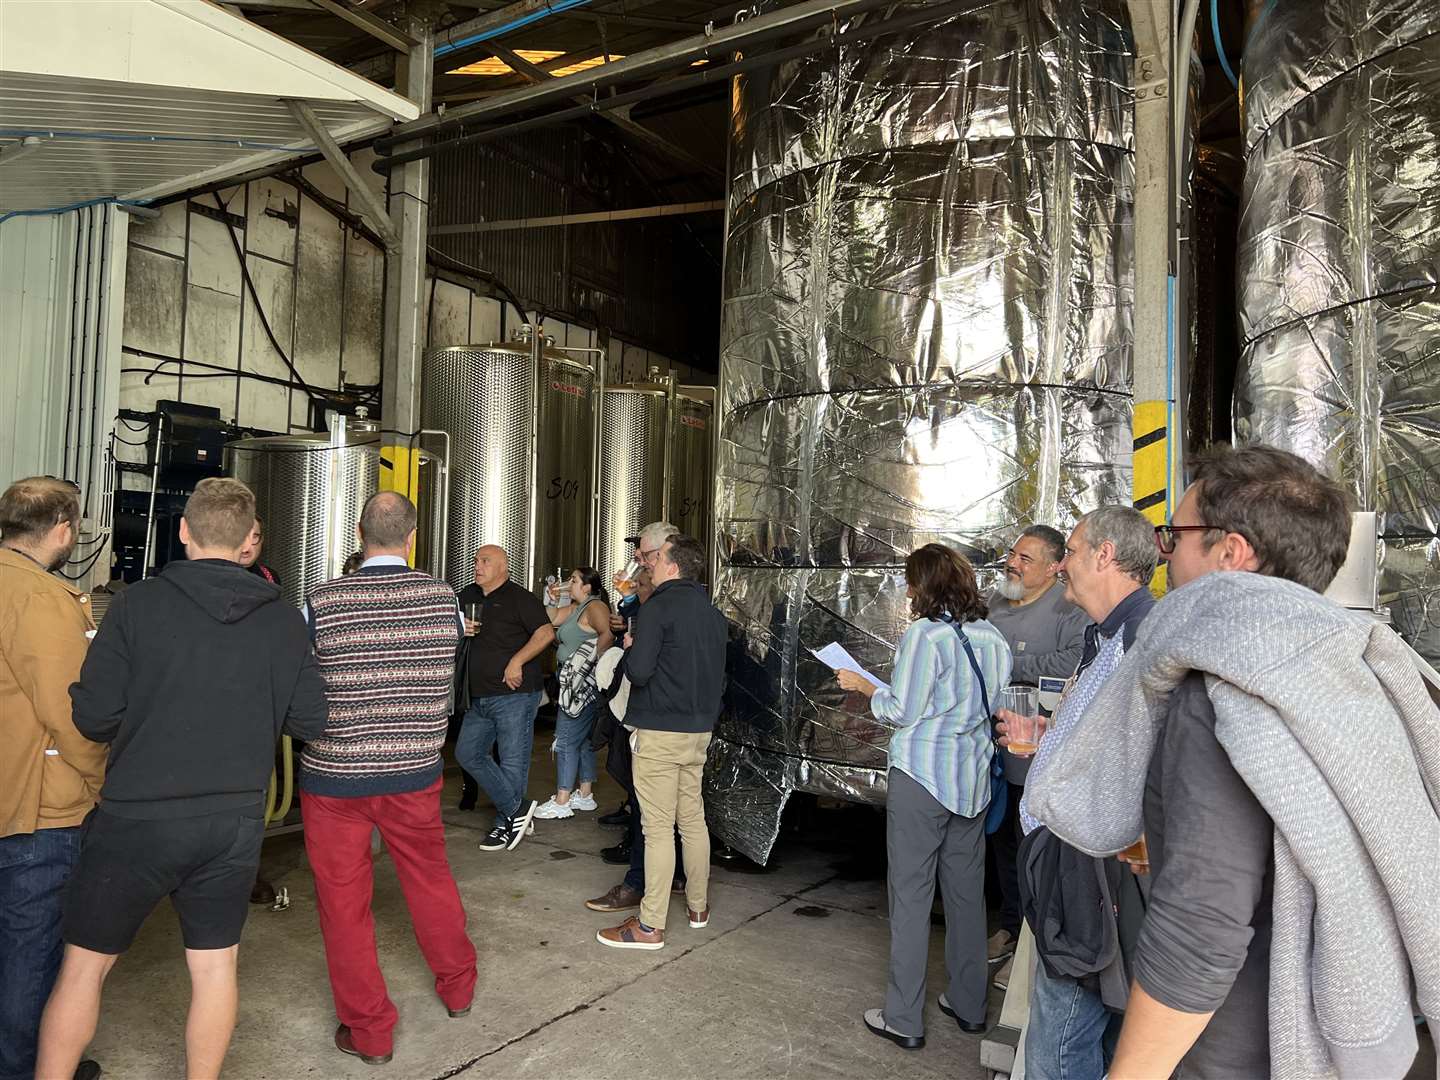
[1202, 995]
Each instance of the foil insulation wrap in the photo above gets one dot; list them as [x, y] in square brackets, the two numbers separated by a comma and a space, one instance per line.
[1339, 267]
[926, 336]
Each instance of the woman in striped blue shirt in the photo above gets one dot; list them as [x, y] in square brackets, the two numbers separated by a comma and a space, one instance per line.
[949, 667]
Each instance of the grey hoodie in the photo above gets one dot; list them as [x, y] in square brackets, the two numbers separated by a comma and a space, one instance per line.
[1326, 720]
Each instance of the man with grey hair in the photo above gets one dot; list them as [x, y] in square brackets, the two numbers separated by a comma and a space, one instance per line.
[1109, 561]
[1046, 634]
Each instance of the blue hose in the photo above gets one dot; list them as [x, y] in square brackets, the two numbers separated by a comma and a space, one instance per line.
[104, 201]
[1219, 45]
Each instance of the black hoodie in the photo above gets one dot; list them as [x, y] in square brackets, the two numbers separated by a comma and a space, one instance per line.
[191, 679]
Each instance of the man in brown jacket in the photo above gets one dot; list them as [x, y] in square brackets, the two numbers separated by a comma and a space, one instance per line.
[49, 773]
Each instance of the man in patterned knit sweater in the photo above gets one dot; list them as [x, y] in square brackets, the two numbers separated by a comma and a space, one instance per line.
[386, 639]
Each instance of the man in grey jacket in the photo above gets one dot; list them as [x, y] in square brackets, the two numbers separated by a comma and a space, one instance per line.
[1200, 1000]
[1046, 635]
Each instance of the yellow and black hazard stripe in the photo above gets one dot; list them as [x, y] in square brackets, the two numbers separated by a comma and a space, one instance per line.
[400, 471]
[1150, 469]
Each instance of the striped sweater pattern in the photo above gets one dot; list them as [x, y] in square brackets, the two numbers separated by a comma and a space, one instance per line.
[386, 642]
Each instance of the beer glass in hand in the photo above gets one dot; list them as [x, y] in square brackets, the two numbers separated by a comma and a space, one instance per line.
[1022, 722]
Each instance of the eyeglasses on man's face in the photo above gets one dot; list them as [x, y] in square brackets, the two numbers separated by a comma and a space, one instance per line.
[1166, 538]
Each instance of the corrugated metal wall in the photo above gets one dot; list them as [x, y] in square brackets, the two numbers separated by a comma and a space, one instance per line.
[633, 278]
[34, 283]
[61, 280]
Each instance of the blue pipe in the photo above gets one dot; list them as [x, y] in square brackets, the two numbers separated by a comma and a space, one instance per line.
[103, 201]
[1219, 45]
[553, 8]
[132, 137]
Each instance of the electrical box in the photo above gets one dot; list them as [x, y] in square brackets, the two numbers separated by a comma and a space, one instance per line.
[193, 446]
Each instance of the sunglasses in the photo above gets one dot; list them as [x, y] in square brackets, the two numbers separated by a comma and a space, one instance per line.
[1165, 537]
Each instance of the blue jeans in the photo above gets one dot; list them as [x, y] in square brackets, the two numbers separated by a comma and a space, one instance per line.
[1071, 1035]
[574, 757]
[33, 870]
[506, 720]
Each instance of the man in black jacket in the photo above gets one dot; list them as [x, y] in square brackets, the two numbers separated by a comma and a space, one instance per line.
[191, 679]
[676, 667]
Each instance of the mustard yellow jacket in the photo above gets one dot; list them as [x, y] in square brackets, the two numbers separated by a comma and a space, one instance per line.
[50, 774]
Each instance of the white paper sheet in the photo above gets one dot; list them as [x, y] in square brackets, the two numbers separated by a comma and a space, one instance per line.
[836, 657]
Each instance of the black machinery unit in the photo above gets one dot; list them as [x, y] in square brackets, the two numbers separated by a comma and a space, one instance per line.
[186, 444]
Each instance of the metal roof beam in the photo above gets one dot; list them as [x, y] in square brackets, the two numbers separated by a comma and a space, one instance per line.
[588, 218]
[370, 205]
[620, 118]
[793, 19]
[376, 28]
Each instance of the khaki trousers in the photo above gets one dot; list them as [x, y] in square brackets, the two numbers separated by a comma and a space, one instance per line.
[667, 768]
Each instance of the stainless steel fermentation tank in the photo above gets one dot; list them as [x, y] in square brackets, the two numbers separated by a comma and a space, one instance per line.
[309, 491]
[521, 419]
[656, 455]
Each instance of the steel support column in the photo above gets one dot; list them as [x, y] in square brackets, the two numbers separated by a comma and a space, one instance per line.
[409, 210]
[1156, 441]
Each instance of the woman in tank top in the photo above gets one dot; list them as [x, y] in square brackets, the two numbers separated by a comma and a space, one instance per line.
[582, 631]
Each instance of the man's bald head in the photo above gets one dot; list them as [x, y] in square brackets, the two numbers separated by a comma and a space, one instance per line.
[387, 524]
[492, 567]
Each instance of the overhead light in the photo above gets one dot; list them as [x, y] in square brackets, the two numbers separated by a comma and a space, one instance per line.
[493, 65]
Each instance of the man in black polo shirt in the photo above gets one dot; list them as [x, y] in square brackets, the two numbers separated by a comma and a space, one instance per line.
[500, 691]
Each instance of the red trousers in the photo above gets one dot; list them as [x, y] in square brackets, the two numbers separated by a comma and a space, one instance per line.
[337, 841]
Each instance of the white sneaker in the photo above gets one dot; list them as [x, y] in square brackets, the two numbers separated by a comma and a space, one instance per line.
[550, 810]
[582, 802]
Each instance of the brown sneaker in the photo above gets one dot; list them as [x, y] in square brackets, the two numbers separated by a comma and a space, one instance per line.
[631, 935]
[698, 919]
[620, 898]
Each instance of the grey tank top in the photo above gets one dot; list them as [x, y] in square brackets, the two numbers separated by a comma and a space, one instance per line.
[572, 633]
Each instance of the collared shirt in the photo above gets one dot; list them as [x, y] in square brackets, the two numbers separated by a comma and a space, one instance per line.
[943, 742]
[1105, 645]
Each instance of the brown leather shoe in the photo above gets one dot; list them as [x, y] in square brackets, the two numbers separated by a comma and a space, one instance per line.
[698, 919]
[346, 1045]
[262, 892]
[631, 935]
[620, 898]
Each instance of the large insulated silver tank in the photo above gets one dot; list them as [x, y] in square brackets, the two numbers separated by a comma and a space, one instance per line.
[532, 496]
[656, 464]
[1339, 269]
[925, 336]
[309, 491]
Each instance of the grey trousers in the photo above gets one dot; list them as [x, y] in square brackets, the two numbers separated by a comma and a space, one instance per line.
[921, 837]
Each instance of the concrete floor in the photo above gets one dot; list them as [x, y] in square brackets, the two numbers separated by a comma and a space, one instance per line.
[774, 987]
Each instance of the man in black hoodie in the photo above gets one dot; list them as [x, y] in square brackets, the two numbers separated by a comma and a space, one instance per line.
[191, 678]
[676, 667]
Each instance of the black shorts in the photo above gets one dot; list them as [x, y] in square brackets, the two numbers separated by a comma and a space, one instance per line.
[206, 865]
